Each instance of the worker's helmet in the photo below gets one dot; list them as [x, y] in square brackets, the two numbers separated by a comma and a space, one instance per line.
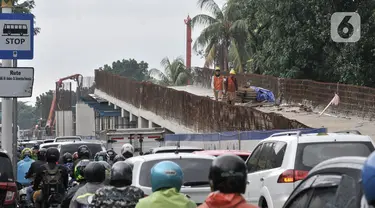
[232, 72]
[166, 174]
[217, 68]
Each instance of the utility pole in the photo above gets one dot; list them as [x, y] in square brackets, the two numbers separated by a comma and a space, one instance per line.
[6, 104]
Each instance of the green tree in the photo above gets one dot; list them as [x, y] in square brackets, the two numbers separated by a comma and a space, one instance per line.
[175, 72]
[296, 41]
[43, 104]
[129, 68]
[25, 7]
[224, 36]
[26, 115]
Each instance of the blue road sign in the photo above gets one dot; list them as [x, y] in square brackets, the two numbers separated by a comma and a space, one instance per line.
[16, 36]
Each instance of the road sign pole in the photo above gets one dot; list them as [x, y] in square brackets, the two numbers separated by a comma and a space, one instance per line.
[15, 129]
[6, 105]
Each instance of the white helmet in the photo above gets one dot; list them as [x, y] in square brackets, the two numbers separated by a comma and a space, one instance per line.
[127, 148]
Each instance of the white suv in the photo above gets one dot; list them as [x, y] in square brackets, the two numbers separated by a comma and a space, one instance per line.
[280, 162]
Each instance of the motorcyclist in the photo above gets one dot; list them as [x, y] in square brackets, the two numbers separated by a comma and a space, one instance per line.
[120, 193]
[101, 156]
[83, 152]
[68, 162]
[112, 154]
[34, 154]
[53, 178]
[79, 175]
[23, 166]
[166, 182]
[95, 176]
[41, 160]
[228, 179]
[127, 150]
[368, 181]
[118, 158]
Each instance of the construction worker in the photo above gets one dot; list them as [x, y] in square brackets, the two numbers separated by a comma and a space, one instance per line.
[231, 87]
[217, 84]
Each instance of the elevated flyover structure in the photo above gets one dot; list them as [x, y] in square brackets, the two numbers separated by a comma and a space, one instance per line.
[147, 105]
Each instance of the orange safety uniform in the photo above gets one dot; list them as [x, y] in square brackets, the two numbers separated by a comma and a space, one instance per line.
[231, 85]
[218, 82]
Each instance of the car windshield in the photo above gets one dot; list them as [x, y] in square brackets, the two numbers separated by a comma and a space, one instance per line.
[49, 145]
[5, 169]
[195, 171]
[73, 147]
[63, 139]
[179, 150]
[311, 154]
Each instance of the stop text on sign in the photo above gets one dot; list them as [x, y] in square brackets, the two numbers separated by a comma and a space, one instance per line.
[16, 41]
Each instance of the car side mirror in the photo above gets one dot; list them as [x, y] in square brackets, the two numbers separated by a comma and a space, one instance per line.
[19, 185]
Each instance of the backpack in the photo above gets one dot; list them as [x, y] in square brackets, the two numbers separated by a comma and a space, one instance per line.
[52, 179]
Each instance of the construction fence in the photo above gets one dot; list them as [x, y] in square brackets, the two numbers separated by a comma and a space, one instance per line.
[354, 100]
[245, 140]
[195, 112]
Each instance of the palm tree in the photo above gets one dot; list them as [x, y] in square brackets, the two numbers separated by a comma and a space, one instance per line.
[223, 36]
[175, 72]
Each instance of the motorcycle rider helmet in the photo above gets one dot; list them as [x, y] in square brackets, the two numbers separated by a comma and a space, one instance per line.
[166, 174]
[101, 156]
[118, 158]
[368, 179]
[52, 155]
[228, 174]
[67, 158]
[112, 154]
[83, 152]
[107, 170]
[26, 152]
[127, 150]
[42, 154]
[36, 147]
[79, 170]
[121, 174]
[94, 172]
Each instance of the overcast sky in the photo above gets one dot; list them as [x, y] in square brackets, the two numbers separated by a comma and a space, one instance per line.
[79, 36]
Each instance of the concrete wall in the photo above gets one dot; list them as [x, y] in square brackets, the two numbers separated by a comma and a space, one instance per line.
[85, 120]
[64, 123]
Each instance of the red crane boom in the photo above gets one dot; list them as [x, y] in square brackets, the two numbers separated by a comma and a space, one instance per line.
[51, 117]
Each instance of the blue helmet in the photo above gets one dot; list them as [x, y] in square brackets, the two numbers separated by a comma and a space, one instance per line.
[166, 174]
[368, 178]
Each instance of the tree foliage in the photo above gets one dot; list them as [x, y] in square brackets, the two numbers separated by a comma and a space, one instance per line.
[175, 72]
[26, 7]
[292, 39]
[129, 68]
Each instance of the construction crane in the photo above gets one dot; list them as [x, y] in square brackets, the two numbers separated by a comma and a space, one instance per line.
[59, 84]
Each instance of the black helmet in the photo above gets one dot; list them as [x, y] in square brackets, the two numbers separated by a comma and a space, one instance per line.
[36, 147]
[67, 158]
[121, 174]
[118, 158]
[112, 154]
[42, 154]
[52, 155]
[228, 174]
[94, 172]
[83, 152]
[101, 156]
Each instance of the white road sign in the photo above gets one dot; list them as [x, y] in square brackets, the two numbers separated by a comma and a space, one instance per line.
[16, 82]
[15, 35]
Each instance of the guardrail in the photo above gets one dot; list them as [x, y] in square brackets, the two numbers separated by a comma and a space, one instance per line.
[354, 100]
[195, 112]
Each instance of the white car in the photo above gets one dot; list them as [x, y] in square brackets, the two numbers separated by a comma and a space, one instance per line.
[67, 139]
[195, 168]
[279, 163]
